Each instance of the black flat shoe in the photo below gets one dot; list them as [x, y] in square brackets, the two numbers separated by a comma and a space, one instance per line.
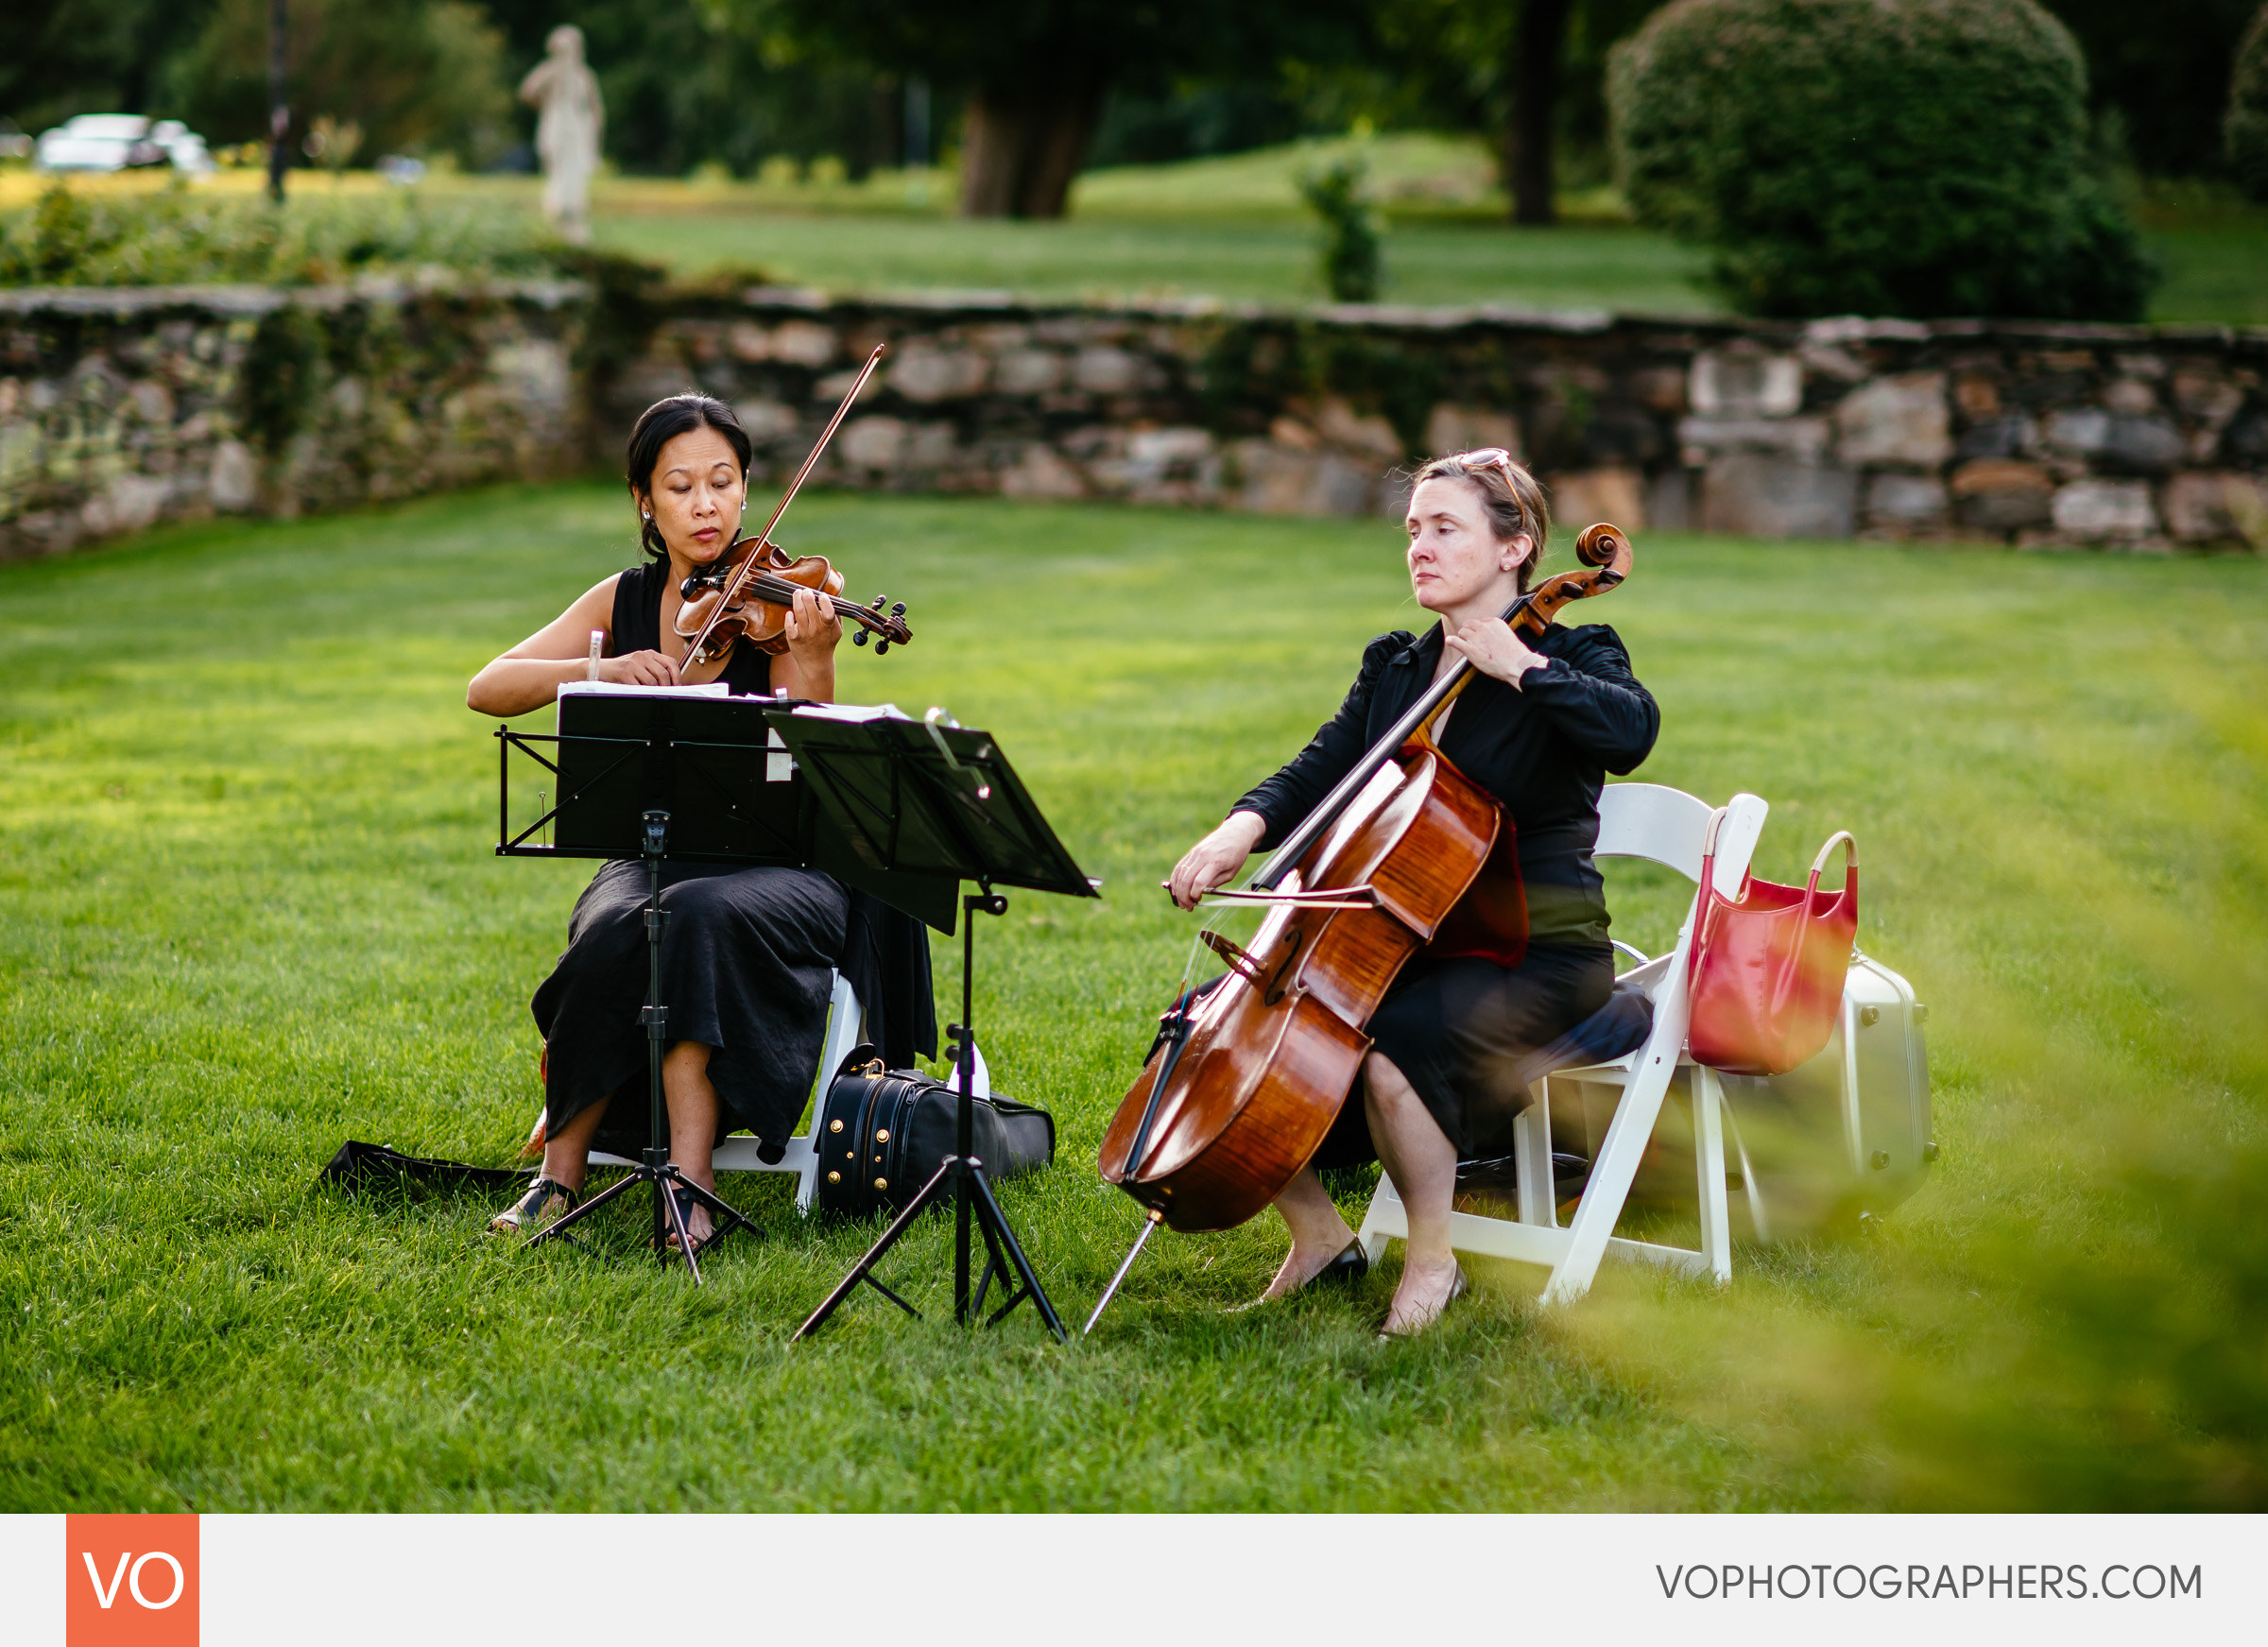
[1458, 1289]
[1350, 1266]
[535, 1209]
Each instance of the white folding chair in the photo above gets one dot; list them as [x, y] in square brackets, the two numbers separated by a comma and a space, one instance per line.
[1667, 827]
[846, 1024]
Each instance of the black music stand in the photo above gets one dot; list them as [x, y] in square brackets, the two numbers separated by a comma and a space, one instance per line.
[657, 775]
[930, 800]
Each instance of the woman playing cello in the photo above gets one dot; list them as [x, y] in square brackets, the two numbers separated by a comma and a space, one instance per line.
[748, 954]
[1539, 732]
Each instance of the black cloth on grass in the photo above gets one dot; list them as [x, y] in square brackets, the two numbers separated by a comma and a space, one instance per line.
[1466, 1033]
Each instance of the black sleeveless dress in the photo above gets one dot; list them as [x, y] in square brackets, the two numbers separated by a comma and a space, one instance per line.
[748, 958]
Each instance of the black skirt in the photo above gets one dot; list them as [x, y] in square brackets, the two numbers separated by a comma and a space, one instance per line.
[748, 964]
[1465, 1034]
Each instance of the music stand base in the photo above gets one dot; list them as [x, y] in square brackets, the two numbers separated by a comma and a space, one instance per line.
[667, 1213]
[655, 1168]
[962, 1178]
[961, 1175]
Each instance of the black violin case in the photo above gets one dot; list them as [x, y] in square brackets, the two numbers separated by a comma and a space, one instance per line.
[882, 1134]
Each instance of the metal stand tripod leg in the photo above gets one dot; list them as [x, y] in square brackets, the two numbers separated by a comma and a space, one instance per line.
[655, 1168]
[961, 1175]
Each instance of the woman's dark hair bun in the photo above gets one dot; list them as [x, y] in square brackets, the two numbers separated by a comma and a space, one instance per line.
[663, 423]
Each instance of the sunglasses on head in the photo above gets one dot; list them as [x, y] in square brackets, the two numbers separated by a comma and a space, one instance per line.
[1486, 457]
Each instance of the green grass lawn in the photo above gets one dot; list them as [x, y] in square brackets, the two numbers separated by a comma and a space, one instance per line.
[1113, 259]
[1232, 228]
[247, 910]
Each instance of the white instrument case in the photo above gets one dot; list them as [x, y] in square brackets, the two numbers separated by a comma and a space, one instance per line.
[1847, 1134]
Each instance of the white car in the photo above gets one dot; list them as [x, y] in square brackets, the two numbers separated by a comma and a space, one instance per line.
[110, 143]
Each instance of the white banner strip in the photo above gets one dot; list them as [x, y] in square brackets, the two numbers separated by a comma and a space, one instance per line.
[1846, 1580]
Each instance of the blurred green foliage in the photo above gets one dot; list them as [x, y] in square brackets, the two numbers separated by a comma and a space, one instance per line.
[177, 238]
[1338, 192]
[2248, 123]
[2074, 1314]
[2156, 77]
[1875, 157]
[689, 82]
[422, 77]
[725, 83]
[1034, 78]
[60, 57]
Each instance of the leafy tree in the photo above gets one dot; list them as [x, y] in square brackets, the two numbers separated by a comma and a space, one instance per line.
[2163, 70]
[1530, 74]
[414, 75]
[60, 58]
[1190, 118]
[1035, 73]
[687, 84]
[2246, 124]
[1883, 156]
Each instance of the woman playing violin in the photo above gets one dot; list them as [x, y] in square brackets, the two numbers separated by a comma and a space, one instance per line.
[748, 954]
[1539, 730]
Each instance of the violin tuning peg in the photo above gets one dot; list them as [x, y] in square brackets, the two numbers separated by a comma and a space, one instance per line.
[880, 647]
[859, 638]
[897, 610]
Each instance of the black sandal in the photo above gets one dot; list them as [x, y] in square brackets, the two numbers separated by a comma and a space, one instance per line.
[526, 1215]
[685, 1204]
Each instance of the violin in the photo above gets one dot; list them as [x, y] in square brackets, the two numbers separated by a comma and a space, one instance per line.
[1245, 1079]
[746, 595]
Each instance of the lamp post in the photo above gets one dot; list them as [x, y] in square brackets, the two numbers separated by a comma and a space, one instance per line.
[278, 114]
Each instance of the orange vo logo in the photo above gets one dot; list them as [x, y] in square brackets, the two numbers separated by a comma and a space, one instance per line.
[131, 1581]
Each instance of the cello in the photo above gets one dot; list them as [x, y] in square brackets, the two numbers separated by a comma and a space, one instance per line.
[1244, 1079]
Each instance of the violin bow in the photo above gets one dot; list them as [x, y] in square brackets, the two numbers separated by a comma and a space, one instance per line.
[748, 568]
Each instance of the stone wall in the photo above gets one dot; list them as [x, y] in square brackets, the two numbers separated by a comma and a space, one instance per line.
[2126, 437]
[121, 409]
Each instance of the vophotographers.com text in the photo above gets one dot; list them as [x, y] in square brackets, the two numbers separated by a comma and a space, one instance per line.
[1885, 1581]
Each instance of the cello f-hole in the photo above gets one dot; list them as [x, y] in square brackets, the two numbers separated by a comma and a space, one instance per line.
[1292, 938]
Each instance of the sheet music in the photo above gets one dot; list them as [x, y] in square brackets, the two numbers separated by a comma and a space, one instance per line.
[856, 713]
[614, 689]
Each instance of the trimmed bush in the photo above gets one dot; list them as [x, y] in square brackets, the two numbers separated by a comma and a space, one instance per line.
[180, 236]
[1874, 157]
[2246, 127]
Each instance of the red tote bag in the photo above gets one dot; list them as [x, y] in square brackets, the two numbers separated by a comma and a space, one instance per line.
[1768, 969]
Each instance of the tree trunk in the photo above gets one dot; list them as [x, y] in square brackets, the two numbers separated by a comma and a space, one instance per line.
[1536, 47]
[1022, 147]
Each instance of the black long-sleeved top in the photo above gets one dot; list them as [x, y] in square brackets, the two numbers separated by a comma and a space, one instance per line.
[1542, 750]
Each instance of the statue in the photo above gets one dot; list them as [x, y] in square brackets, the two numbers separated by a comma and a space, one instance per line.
[564, 87]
